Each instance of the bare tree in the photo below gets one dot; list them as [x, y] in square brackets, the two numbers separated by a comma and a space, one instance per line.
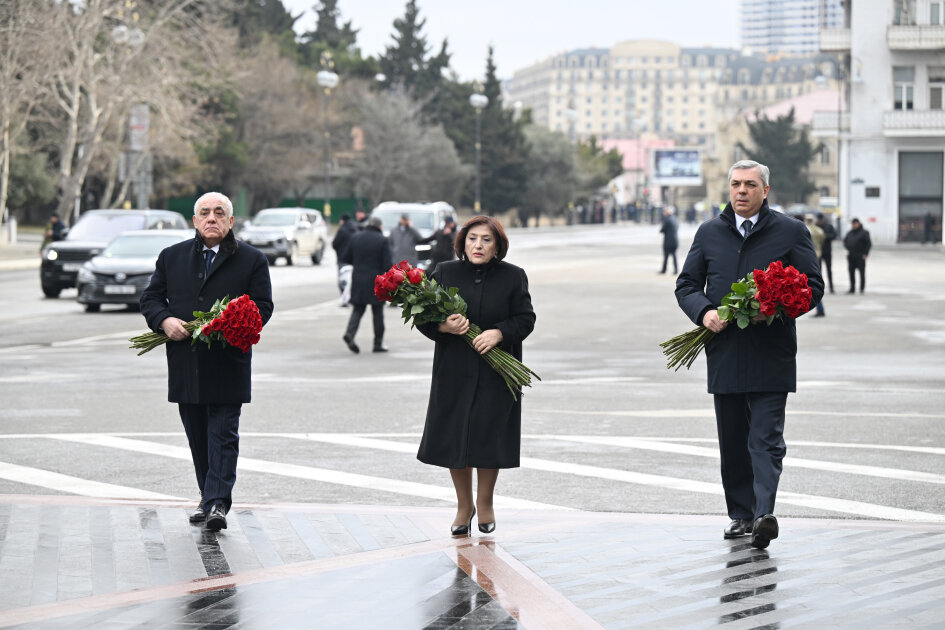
[116, 54]
[23, 63]
[402, 158]
[281, 110]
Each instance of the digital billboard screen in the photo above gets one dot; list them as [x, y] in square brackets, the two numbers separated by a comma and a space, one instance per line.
[676, 167]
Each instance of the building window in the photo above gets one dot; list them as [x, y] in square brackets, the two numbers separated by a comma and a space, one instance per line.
[903, 87]
[824, 155]
[936, 88]
[937, 12]
[904, 12]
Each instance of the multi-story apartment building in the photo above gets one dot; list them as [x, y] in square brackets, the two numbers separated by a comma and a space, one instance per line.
[789, 27]
[656, 91]
[892, 138]
[656, 88]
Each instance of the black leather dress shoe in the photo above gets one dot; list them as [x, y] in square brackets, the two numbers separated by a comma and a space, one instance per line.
[352, 346]
[737, 528]
[216, 519]
[764, 530]
[198, 515]
[380, 349]
[487, 528]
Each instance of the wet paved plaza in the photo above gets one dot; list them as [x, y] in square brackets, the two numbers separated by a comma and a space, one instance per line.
[76, 562]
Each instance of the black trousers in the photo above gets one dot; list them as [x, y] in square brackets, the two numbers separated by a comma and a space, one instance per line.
[826, 260]
[855, 263]
[213, 434]
[751, 444]
[357, 311]
[666, 254]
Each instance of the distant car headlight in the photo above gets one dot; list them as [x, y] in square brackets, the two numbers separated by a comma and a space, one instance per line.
[52, 254]
[85, 275]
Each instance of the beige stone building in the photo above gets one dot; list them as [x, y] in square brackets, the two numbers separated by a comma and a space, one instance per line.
[654, 89]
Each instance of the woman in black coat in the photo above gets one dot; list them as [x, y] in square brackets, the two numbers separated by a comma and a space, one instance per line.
[472, 420]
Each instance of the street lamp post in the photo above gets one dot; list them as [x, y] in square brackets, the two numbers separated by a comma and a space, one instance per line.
[478, 101]
[327, 79]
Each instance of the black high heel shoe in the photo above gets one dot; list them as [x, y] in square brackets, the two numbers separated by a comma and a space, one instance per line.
[463, 530]
[487, 528]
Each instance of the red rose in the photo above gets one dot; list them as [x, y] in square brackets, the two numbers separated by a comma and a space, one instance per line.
[403, 265]
[415, 276]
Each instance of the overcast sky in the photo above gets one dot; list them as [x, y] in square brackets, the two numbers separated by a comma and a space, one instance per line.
[525, 31]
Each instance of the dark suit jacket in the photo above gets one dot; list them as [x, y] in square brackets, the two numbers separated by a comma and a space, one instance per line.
[759, 358]
[196, 374]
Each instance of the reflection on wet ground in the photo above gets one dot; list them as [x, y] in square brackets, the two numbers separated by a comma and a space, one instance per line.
[69, 562]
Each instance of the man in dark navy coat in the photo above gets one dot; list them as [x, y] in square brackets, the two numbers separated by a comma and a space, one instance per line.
[368, 252]
[209, 385]
[752, 370]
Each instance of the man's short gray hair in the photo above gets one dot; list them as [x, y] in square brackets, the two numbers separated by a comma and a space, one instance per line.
[227, 204]
[765, 173]
[376, 222]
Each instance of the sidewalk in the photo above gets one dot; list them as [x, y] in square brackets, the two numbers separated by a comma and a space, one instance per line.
[78, 562]
[24, 254]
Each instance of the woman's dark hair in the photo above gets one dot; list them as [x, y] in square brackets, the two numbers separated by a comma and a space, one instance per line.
[501, 240]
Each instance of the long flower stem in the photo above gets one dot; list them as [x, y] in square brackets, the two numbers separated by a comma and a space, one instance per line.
[515, 373]
[682, 350]
[151, 340]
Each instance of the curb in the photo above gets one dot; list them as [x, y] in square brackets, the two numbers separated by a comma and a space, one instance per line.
[18, 264]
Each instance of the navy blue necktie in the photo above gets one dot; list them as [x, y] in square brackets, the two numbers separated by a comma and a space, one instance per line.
[746, 225]
[208, 258]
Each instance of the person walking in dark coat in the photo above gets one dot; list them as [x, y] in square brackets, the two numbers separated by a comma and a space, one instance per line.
[346, 229]
[670, 231]
[209, 384]
[858, 244]
[368, 252]
[826, 252]
[472, 420]
[751, 370]
[443, 244]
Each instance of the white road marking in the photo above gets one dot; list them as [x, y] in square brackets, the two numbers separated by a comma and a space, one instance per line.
[709, 413]
[300, 472]
[661, 481]
[387, 443]
[73, 485]
[699, 451]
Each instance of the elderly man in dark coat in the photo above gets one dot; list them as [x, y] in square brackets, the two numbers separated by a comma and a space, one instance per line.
[752, 370]
[368, 252]
[209, 384]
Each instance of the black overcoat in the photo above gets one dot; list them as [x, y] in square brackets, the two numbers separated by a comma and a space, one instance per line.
[472, 419]
[759, 358]
[197, 374]
[368, 252]
[670, 231]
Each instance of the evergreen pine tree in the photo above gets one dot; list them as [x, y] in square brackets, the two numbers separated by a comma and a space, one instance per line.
[787, 151]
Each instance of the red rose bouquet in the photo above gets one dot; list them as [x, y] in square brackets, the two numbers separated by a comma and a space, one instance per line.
[776, 292]
[231, 322]
[424, 301]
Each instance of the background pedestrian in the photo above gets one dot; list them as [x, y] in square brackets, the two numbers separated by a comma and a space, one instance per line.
[368, 252]
[857, 242]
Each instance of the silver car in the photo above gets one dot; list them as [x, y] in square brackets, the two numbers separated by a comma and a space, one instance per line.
[427, 218]
[289, 233]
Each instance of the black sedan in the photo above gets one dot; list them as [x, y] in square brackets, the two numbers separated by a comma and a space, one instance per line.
[121, 272]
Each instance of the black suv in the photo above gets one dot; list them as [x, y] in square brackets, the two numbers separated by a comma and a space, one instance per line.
[90, 234]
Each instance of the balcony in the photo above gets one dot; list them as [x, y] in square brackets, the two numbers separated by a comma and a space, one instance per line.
[835, 40]
[828, 124]
[914, 37]
[914, 124]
